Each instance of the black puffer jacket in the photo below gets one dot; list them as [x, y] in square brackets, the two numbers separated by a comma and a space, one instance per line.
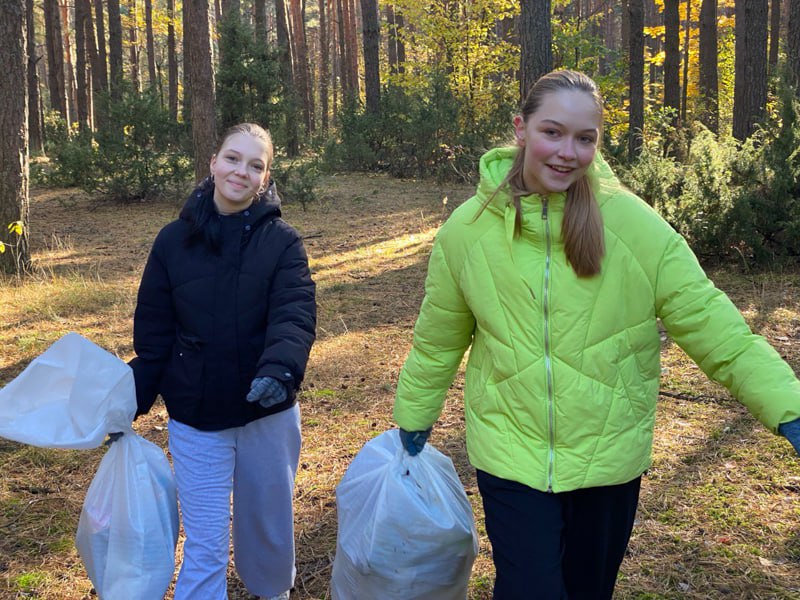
[208, 320]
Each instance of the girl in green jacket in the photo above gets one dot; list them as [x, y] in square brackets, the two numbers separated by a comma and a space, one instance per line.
[553, 276]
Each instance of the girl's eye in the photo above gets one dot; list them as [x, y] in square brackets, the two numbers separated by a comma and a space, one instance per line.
[258, 168]
[230, 158]
[551, 132]
[587, 140]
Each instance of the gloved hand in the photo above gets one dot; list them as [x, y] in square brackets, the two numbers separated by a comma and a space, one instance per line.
[267, 391]
[113, 437]
[414, 441]
[791, 431]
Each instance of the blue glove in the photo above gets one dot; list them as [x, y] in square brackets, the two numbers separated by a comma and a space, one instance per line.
[267, 391]
[791, 431]
[414, 441]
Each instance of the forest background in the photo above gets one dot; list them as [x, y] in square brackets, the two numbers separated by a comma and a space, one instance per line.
[380, 112]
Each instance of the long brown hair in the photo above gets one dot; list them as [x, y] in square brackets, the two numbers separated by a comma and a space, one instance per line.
[582, 227]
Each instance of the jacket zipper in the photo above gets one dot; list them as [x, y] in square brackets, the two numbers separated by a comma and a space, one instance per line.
[547, 358]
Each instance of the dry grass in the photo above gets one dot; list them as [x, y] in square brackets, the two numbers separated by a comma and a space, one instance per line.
[719, 512]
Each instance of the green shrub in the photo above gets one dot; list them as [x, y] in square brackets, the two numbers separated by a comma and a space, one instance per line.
[296, 180]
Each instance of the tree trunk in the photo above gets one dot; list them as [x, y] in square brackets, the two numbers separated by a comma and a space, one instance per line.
[352, 45]
[115, 48]
[672, 58]
[13, 136]
[750, 79]
[102, 58]
[69, 71]
[342, 61]
[536, 54]
[83, 90]
[709, 93]
[774, 34]
[172, 61]
[687, 34]
[36, 137]
[793, 45]
[391, 39]
[636, 75]
[133, 39]
[260, 21]
[324, 66]
[151, 44]
[285, 60]
[94, 67]
[55, 58]
[300, 62]
[200, 69]
[371, 41]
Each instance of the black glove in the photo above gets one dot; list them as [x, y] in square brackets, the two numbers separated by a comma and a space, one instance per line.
[113, 437]
[414, 441]
[267, 391]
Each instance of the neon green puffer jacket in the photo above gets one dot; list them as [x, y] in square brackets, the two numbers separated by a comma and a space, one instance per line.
[563, 373]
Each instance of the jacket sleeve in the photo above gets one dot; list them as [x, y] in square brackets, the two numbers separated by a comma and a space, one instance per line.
[707, 325]
[442, 334]
[291, 326]
[153, 330]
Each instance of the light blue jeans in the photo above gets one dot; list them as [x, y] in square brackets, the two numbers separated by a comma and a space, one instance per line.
[258, 464]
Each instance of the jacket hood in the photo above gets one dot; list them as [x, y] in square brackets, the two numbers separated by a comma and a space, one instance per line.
[267, 204]
[496, 163]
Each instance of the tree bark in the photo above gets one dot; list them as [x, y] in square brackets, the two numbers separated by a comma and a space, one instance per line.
[750, 79]
[687, 34]
[55, 58]
[150, 41]
[709, 93]
[13, 135]
[102, 58]
[172, 61]
[300, 62]
[371, 41]
[391, 39]
[536, 42]
[774, 33]
[69, 71]
[200, 69]
[672, 58]
[115, 48]
[83, 90]
[133, 39]
[793, 45]
[36, 138]
[324, 66]
[260, 21]
[636, 76]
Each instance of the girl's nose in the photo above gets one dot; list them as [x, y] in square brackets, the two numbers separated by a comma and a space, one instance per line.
[567, 149]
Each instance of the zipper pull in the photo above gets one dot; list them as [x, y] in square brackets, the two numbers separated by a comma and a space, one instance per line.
[544, 209]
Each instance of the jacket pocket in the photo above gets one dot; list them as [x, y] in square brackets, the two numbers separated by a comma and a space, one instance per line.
[183, 377]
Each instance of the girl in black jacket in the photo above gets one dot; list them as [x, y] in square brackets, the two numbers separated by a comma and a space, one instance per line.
[224, 323]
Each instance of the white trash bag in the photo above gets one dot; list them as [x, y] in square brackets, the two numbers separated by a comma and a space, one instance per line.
[73, 396]
[406, 530]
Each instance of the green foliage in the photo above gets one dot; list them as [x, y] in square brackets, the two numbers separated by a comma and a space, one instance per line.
[137, 157]
[248, 78]
[430, 132]
[296, 180]
[731, 201]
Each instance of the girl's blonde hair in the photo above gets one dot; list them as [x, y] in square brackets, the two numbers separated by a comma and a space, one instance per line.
[582, 227]
[253, 129]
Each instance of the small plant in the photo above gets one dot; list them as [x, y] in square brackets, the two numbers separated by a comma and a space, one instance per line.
[14, 229]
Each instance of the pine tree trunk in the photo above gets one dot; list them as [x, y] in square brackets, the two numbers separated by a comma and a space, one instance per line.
[197, 54]
[324, 66]
[133, 39]
[13, 136]
[672, 58]
[774, 34]
[115, 48]
[102, 58]
[342, 61]
[83, 92]
[352, 44]
[300, 62]
[69, 71]
[793, 45]
[94, 67]
[536, 54]
[260, 20]
[636, 76]
[172, 60]
[371, 41]
[36, 138]
[750, 79]
[151, 44]
[709, 92]
[687, 34]
[55, 58]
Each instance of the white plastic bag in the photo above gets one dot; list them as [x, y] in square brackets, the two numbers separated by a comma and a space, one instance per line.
[406, 529]
[129, 523]
[72, 396]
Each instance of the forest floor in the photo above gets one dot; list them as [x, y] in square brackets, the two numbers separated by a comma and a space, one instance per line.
[719, 515]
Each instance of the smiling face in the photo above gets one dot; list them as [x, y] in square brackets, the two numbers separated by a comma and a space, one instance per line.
[240, 168]
[559, 140]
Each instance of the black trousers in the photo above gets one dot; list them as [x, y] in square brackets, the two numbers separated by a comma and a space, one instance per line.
[557, 546]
